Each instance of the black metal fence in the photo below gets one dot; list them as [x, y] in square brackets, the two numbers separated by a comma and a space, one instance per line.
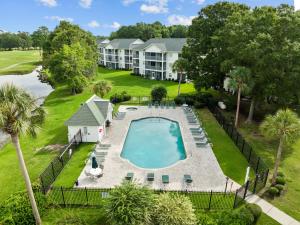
[49, 175]
[94, 197]
[256, 163]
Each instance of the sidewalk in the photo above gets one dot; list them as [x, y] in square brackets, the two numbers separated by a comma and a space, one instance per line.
[272, 211]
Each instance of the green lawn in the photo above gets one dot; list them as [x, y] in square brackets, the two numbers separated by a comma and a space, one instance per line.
[231, 160]
[18, 62]
[266, 220]
[60, 105]
[289, 202]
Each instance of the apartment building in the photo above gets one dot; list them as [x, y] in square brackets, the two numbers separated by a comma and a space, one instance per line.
[117, 54]
[154, 59]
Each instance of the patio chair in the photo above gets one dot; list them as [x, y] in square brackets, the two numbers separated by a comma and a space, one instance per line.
[165, 179]
[187, 178]
[202, 143]
[150, 176]
[129, 176]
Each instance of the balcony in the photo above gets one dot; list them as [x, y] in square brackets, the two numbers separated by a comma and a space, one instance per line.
[148, 67]
[153, 58]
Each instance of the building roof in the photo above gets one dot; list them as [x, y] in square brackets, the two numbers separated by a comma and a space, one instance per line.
[92, 113]
[166, 44]
[120, 43]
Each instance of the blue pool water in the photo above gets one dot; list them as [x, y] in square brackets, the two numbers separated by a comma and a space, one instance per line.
[153, 143]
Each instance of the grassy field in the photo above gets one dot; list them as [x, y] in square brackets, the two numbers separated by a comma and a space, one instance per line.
[289, 202]
[231, 160]
[60, 105]
[18, 62]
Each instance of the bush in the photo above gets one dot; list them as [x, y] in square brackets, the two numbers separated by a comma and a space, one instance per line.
[17, 209]
[255, 210]
[179, 100]
[77, 84]
[185, 99]
[199, 105]
[130, 204]
[241, 216]
[204, 219]
[122, 97]
[280, 180]
[158, 93]
[173, 209]
[280, 187]
[280, 174]
[273, 191]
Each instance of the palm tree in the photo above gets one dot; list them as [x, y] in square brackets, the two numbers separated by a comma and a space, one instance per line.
[102, 88]
[285, 126]
[20, 114]
[240, 80]
[179, 66]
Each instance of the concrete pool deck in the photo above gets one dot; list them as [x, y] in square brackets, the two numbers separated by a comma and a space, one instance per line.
[200, 163]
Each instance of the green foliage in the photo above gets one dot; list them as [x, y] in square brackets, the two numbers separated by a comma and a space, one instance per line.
[273, 191]
[120, 97]
[102, 87]
[39, 37]
[146, 31]
[241, 216]
[158, 93]
[15, 40]
[240, 78]
[204, 219]
[130, 204]
[173, 209]
[77, 84]
[17, 209]
[280, 174]
[255, 210]
[280, 180]
[280, 187]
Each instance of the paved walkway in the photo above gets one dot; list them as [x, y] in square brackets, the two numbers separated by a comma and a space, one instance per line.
[272, 211]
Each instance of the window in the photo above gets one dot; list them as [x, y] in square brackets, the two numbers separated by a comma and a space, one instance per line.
[85, 130]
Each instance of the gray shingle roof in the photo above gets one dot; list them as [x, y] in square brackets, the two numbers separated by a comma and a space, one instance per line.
[120, 43]
[91, 113]
[166, 44]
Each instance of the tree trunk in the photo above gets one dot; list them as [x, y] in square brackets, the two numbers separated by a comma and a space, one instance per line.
[251, 111]
[179, 83]
[277, 161]
[15, 140]
[237, 108]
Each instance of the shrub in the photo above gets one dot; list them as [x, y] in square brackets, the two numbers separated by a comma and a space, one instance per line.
[179, 100]
[273, 191]
[77, 84]
[173, 209]
[280, 174]
[280, 187]
[130, 204]
[122, 97]
[280, 180]
[101, 88]
[199, 105]
[255, 210]
[17, 209]
[158, 93]
[204, 219]
[241, 216]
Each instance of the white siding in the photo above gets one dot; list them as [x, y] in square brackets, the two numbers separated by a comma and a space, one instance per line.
[93, 133]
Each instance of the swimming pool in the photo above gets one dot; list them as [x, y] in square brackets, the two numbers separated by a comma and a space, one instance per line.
[153, 142]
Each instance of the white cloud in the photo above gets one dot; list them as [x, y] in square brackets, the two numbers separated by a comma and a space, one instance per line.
[58, 18]
[297, 4]
[155, 6]
[85, 3]
[128, 2]
[199, 2]
[49, 3]
[93, 24]
[180, 20]
[115, 25]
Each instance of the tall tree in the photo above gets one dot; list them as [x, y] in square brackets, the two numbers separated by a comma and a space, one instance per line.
[205, 50]
[39, 37]
[24, 39]
[240, 80]
[101, 88]
[180, 66]
[285, 126]
[20, 114]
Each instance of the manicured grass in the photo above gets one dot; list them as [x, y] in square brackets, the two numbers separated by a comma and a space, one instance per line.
[266, 220]
[60, 106]
[138, 86]
[231, 160]
[72, 170]
[18, 62]
[289, 202]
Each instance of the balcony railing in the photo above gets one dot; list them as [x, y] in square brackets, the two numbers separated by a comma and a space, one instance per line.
[148, 67]
[156, 58]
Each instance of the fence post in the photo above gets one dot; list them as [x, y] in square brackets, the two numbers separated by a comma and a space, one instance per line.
[42, 184]
[257, 164]
[266, 177]
[235, 198]
[237, 139]
[250, 155]
[53, 173]
[255, 183]
[227, 178]
[231, 131]
[210, 197]
[62, 194]
[243, 146]
[246, 189]
[86, 195]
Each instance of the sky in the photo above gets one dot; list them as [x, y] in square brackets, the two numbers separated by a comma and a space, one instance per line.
[101, 17]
